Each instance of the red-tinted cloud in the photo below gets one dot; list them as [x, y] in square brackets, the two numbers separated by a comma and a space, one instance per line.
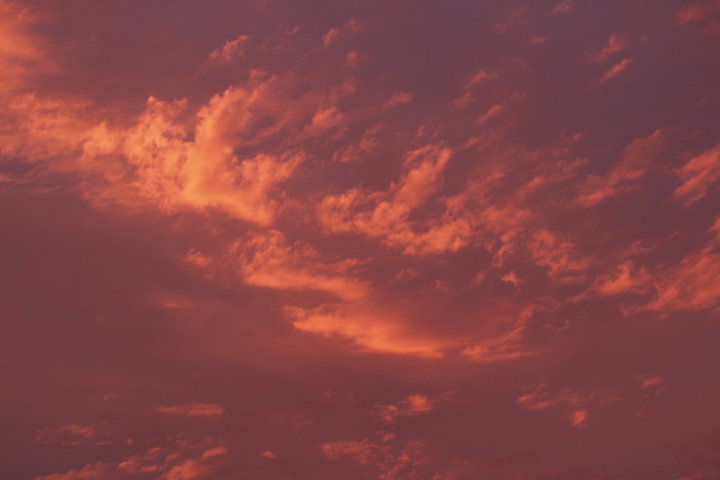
[405, 240]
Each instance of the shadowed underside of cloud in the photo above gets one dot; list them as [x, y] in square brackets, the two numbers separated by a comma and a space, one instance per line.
[417, 240]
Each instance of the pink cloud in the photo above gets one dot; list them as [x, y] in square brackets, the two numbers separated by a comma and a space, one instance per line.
[563, 7]
[334, 34]
[231, 51]
[698, 12]
[615, 44]
[401, 98]
[614, 71]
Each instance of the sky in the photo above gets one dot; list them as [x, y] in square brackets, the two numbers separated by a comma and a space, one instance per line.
[377, 240]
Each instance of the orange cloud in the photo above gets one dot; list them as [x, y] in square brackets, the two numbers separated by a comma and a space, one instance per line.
[387, 214]
[389, 462]
[540, 397]
[508, 346]
[194, 409]
[269, 261]
[180, 462]
[578, 418]
[654, 384]
[698, 176]
[230, 52]
[636, 161]
[561, 258]
[692, 285]
[414, 405]
[372, 330]
[22, 52]
[626, 278]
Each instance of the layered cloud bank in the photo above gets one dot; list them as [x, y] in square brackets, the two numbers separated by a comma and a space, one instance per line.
[276, 240]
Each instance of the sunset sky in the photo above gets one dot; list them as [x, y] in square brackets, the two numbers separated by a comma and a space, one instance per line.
[360, 240]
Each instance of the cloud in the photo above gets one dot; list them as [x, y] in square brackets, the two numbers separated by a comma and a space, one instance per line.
[694, 285]
[615, 44]
[491, 112]
[75, 435]
[626, 278]
[702, 13]
[194, 409]
[614, 71]
[389, 462]
[386, 215]
[181, 462]
[468, 95]
[563, 7]
[654, 384]
[636, 161]
[540, 398]
[268, 260]
[232, 154]
[215, 452]
[414, 405]
[193, 205]
[578, 418]
[698, 176]
[230, 52]
[371, 329]
[39, 128]
[357, 151]
[401, 98]
[561, 258]
[507, 346]
[336, 33]
[23, 52]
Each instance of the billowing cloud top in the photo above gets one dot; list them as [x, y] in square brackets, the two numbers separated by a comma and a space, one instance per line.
[352, 240]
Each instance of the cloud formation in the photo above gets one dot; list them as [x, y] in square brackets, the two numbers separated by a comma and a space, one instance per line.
[446, 240]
